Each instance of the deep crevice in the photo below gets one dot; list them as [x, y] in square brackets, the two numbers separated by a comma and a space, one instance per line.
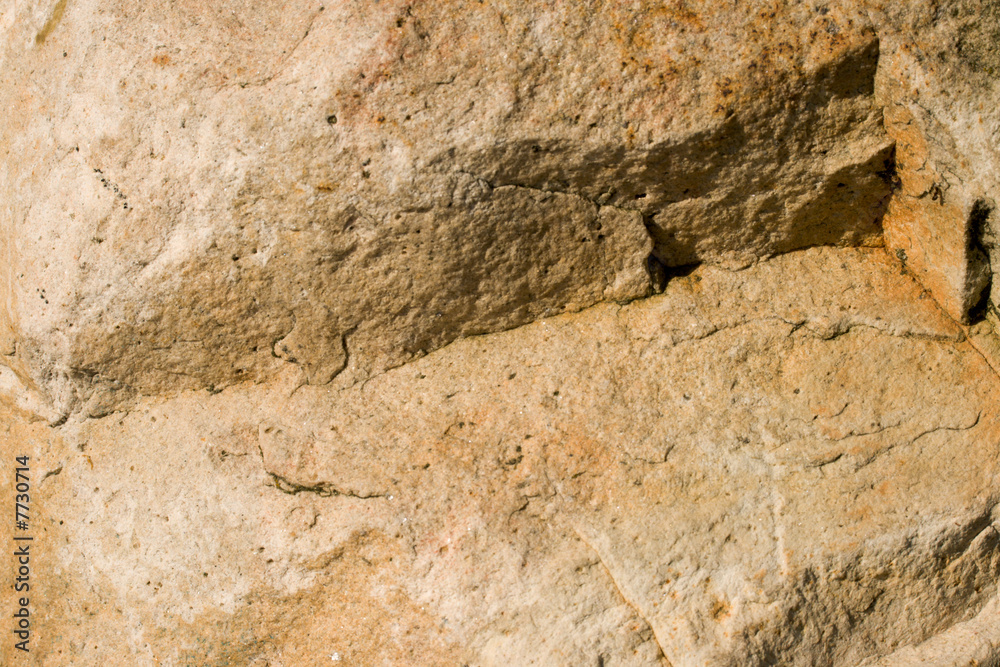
[658, 274]
[980, 239]
[321, 489]
[681, 271]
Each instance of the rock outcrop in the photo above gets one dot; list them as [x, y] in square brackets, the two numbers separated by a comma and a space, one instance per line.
[938, 81]
[503, 333]
[762, 467]
[190, 209]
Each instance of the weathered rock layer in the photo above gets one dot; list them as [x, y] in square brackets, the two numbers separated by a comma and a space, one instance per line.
[503, 333]
[387, 177]
[747, 469]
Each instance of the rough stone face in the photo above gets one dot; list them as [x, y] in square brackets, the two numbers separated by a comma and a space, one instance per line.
[938, 80]
[760, 467]
[972, 642]
[497, 333]
[383, 178]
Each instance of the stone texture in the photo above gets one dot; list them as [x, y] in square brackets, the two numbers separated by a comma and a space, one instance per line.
[385, 177]
[938, 80]
[768, 466]
[496, 333]
[972, 642]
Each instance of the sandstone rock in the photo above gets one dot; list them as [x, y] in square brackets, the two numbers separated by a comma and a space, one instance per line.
[769, 466]
[938, 80]
[186, 207]
[973, 642]
[372, 333]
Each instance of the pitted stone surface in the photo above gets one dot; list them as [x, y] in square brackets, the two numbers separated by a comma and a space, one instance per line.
[188, 209]
[769, 465]
[503, 333]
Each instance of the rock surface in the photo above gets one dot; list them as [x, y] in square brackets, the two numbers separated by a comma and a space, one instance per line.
[496, 333]
[768, 466]
[939, 81]
[384, 178]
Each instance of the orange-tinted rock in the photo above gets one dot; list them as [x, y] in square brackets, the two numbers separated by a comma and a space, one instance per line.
[793, 463]
[936, 82]
[330, 332]
[197, 198]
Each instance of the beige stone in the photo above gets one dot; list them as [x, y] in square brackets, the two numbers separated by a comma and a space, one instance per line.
[937, 78]
[497, 333]
[385, 177]
[762, 467]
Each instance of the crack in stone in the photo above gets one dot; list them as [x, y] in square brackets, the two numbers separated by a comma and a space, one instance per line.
[598, 204]
[279, 67]
[882, 452]
[321, 489]
[680, 337]
[989, 359]
[829, 334]
[50, 473]
[861, 434]
[621, 593]
[347, 353]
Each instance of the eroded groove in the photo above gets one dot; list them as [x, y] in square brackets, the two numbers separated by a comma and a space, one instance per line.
[981, 243]
[321, 489]
[621, 593]
[912, 441]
